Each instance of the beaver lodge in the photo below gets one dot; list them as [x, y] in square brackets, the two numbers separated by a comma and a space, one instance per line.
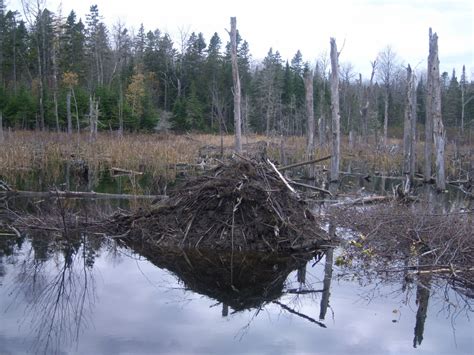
[241, 205]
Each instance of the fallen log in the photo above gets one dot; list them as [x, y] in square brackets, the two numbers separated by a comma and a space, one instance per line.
[364, 201]
[319, 189]
[78, 194]
[120, 171]
[286, 167]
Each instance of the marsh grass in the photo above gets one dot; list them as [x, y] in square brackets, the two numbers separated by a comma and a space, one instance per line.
[28, 155]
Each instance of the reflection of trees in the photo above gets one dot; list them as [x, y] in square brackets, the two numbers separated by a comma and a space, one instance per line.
[422, 297]
[56, 281]
[326, 284]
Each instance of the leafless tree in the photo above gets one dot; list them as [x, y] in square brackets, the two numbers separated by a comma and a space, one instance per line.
[364, 100]
[434, 109]
[236, 80]
[386, 68]
[308, 81]
[409, 127]
[336, 129]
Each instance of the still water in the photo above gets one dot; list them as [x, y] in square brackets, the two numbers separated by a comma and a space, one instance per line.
[93, 296]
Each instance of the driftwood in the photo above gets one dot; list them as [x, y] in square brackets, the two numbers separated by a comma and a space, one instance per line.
[283, 168]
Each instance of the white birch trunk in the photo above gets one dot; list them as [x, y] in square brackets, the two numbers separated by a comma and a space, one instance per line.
[336, 131]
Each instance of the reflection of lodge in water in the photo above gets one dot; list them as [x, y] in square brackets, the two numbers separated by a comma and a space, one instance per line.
[239, 281]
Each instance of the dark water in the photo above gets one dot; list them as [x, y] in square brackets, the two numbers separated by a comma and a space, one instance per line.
[92, 296]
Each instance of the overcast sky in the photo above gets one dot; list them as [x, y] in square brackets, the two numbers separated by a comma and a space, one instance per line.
[365, 26]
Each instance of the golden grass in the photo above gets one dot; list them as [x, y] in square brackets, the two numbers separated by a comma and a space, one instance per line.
[157, 154]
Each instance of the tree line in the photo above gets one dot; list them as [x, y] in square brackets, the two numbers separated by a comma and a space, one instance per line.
[62, 73]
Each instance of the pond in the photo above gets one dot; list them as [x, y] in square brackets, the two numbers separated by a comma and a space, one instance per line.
[89, 294]
[93, 296]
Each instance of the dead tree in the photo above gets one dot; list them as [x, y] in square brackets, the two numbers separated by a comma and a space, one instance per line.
[236, 80]
[365, 102]
[336, 129]
[413, 129]
[434, 97]
[428, 120]
[93, 117]
[409, 127]
[308, 83]
[68, 112]
[387, 64]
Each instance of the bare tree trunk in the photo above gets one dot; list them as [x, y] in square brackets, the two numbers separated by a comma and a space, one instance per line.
[435, 111]
[308, 81]
[68, 112]
[385, 118]
[364, 110]
[336, 130]
[93, 117]
[55, 84]
[77, 112]
[407, 124]
[1, 127]
[236, 80]
[429, 119]
[413, 129]
[120, 109]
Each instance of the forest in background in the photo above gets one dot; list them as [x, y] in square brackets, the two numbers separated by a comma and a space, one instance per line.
[57, 72]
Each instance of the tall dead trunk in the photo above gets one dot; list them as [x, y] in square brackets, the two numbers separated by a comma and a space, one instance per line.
[435, 111]
[120, 109]
[308, 83]
[236, 80]
[55, 83]
[365, 103]
[68, 112]
[407, 126]
[93, 118]
[77, 111]
[385, 116]
[336, 129]
[413, 129]
[429, 119]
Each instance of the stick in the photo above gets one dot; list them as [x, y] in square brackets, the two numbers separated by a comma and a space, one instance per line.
[292, 311]
[282, 177]
[282, 168]
[311, 187]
